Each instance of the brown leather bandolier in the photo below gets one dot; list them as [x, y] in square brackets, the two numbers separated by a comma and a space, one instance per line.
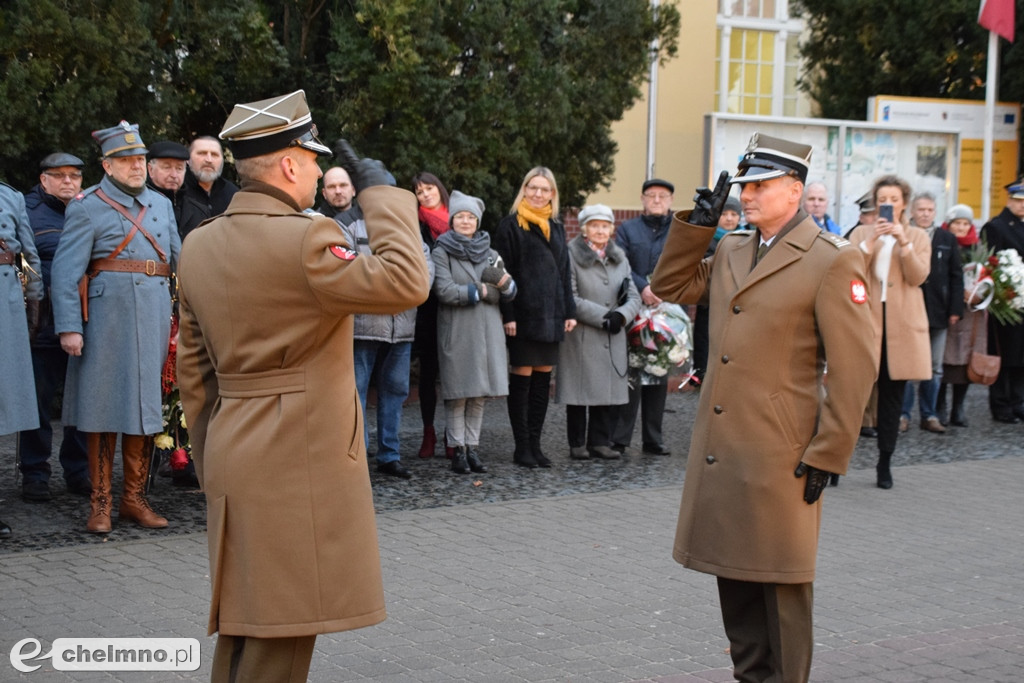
[6, 254]
[112, 263]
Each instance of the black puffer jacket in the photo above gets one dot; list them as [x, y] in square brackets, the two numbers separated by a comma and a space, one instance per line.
[540, 268]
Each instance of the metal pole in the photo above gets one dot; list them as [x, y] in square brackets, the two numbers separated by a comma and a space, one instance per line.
[652, 101]
[991, 92]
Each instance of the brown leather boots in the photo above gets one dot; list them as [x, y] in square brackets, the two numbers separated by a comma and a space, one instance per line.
[135, 451]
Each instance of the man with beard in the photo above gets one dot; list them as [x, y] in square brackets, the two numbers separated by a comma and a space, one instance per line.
[59, 182]
[112, 311]
[338, 192]
[205, 193]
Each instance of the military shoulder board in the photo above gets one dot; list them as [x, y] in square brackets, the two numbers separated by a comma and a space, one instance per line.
[835, 240]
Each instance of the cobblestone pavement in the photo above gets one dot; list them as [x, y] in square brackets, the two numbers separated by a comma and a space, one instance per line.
[566, 574]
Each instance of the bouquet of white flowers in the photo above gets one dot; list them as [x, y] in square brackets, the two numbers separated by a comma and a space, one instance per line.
[658, 340]
[995, 281]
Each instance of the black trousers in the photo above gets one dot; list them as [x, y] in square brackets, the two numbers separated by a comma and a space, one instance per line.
[769, 629]
[596, 432]
[650, 399]
[890, 404]
[1006, 394]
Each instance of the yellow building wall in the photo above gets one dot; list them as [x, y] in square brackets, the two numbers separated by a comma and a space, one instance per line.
[686, 92]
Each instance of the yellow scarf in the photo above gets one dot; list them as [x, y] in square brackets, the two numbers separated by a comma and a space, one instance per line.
[525, 215]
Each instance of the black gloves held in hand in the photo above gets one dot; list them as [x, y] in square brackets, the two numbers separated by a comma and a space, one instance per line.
[613, 322]
[816, 482]
[708, 204]
[363, 172]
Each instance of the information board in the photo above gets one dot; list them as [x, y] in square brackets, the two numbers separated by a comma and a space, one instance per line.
[848, 156]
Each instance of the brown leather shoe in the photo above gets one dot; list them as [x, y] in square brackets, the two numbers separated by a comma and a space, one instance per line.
[932, 424]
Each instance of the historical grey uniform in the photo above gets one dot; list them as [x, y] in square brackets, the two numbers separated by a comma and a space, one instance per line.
[114, 386]
[17, 388]
[126, 241]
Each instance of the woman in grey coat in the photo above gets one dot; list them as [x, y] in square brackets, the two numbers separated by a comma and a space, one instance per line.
[592, 363]
[469, 280]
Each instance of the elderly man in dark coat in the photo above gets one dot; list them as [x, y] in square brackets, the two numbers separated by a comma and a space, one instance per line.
[784, 299]
[122, 237]
[265, 371]
[59, 182]
[1006, 395]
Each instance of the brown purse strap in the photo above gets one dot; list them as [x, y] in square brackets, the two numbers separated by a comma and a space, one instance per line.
[136, 223]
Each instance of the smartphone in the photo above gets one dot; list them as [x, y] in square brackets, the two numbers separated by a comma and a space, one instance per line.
[885, 212]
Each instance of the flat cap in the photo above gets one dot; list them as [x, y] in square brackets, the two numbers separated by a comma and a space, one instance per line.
[1016, 189]
[165, 149]
[58, 159]
[595, 212]
[658, 182]
[123, 140]
[259, 128]
[767, 157]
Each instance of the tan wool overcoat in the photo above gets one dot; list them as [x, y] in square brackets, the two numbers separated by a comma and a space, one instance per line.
[265, 370]
[763, 406]
[907, 345]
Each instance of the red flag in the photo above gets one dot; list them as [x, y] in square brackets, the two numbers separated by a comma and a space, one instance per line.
[997, 16]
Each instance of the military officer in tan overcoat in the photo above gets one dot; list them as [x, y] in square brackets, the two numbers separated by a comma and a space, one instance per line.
[265, 369]
[784, 298]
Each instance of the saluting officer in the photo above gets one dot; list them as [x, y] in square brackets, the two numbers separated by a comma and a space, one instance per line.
[122, 236]
[767, 435]
[267, 294]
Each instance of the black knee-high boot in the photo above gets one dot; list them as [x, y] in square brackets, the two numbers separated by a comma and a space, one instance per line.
[883, 471]
[518, 399]
[958, 417]
[540, 393]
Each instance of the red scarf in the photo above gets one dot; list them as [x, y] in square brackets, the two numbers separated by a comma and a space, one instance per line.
[970, 239]
[436, 219]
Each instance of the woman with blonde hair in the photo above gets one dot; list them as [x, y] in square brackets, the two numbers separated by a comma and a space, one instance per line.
[531, 241]
[898, 257]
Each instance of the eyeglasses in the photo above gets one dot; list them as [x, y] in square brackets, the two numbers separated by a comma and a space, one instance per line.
[76, 175]
[658, 196]
[540, 189]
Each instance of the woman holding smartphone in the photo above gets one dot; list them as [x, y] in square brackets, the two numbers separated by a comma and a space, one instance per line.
[898, 258]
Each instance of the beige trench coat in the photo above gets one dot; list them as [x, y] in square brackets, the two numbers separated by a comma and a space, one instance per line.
[763, 407]
[907, 344]
[265, 370]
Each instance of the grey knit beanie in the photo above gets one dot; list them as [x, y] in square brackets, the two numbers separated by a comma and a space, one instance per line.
[458, 201]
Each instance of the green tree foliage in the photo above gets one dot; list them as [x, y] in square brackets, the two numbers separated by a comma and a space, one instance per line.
[174, 67]
[479, 92]
[473, 90]
[913, 48]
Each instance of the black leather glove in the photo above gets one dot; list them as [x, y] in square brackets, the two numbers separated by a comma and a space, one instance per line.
[816, 482]
[492, 295]
[613, 322]
[708, 204]
[32, 313]
[493, 276]
[363, 172]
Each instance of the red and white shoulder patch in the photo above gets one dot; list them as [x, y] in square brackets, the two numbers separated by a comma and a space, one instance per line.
[858, 292]
[343, 252]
